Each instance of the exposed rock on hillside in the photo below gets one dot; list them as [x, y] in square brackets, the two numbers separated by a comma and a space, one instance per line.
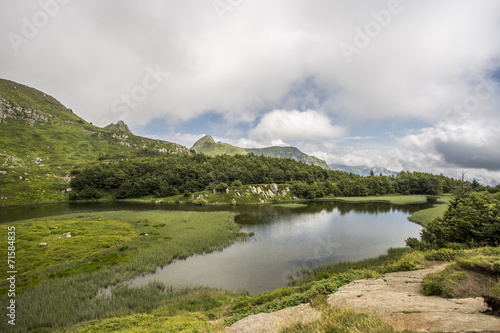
[41, 141]
[120, 126]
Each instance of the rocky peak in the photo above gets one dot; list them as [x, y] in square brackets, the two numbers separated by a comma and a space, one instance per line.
[207, 139]
[120, 125]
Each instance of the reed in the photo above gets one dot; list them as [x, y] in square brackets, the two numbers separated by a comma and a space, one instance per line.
[59, 293]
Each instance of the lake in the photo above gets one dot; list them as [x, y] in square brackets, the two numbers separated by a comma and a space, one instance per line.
[285, 239]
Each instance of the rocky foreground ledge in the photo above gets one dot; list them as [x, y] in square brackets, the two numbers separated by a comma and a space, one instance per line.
[395, 298]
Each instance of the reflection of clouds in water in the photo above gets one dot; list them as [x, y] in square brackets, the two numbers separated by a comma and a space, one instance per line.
[284, 243]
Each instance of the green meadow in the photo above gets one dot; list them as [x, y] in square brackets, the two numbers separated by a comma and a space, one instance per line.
[86, 276]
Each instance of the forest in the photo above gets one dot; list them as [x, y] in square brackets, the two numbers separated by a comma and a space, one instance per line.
[152, 174]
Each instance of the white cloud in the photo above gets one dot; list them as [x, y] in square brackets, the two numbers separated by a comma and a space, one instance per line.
[419, 65]
[279, 55]
[280, 125]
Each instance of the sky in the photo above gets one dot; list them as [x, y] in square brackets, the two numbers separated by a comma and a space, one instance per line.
[401, 84]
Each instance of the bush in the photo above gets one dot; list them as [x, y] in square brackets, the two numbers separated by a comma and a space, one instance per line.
[440, 284]
[441, 254]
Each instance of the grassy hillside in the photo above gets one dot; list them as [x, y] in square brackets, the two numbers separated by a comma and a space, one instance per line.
[289, 152]
[41, 141]
[208, 146]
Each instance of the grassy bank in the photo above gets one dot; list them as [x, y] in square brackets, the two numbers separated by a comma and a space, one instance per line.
[192, 311]
[342, 320]
[63, 281]
[393, 199]
[473, 273]
[425, 216]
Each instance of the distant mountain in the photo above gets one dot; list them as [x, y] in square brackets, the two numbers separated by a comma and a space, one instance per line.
[289, 152]
[41, 141]
[363, 170]
[208, 146]
[119, 126]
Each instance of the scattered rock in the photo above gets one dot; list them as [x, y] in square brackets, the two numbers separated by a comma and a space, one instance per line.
[43, 244]
[67, 234]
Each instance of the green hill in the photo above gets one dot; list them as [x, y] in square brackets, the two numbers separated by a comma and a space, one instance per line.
[289, 152]
[41, 141]
[208, 146]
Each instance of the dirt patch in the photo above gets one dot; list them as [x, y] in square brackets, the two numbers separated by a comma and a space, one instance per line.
[473, 285]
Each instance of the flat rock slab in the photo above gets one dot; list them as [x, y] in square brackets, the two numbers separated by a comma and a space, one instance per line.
[275, 321]
[396, 298]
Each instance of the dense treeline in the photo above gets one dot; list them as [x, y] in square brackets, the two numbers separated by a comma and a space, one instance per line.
[471, 220]
[182, 174]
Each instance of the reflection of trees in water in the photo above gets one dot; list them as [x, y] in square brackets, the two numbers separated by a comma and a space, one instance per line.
[255, 215]
[247, 214]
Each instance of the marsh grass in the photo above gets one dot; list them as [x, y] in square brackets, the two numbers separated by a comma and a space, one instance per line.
[290, 205]
[393, 257]
[314, 289]
[65, 293]
[89, 238]
[425, 216]
[393, 199]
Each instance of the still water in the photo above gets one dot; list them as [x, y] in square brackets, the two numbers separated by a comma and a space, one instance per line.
[285, 240]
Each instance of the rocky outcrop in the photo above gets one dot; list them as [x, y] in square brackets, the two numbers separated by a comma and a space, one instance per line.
[395, 298]
[9, 110]
[120, 126]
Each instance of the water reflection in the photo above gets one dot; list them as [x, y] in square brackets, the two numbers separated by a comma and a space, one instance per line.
[289, 239]
[286, 239]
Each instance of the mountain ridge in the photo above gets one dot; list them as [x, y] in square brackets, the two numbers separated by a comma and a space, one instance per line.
[208, 146]
[41, 141]
[363, 170]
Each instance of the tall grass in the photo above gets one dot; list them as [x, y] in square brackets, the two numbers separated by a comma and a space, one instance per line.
[343, 320]
[67, 293]
[394, 199]
[325, 271]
